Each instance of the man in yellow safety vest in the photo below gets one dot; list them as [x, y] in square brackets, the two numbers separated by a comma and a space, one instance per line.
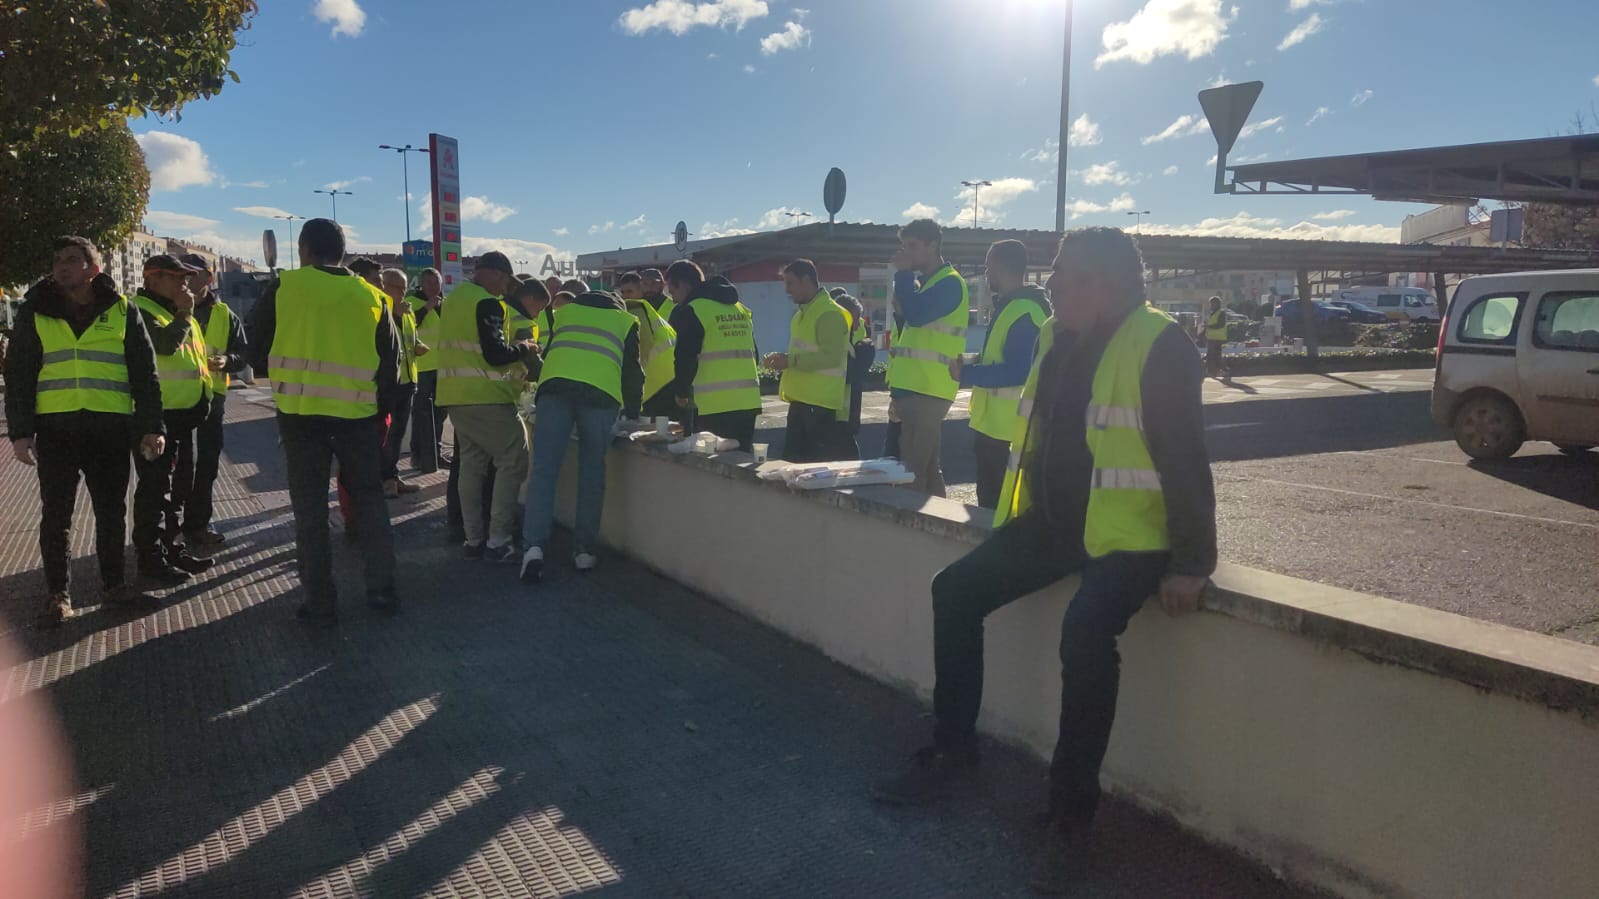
[1111, 483]
[225, 345]
[184, 367]
[815, 371]
[427, 417]
[81, 384]
[656, 343]
[331, 349]
[1215, 338]
[714, 360]
[412, 349]
[935, 312]
[996, 375]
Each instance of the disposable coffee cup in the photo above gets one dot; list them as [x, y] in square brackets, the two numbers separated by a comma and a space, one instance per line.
[760, 451]
[663, 425]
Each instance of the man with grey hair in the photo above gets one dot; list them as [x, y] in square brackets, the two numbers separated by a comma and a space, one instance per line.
[393, 286]
[427, 431]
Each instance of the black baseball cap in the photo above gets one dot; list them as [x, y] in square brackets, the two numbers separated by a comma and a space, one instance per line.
[196, 260]
[652, 274]
[496, 261]
[166, 262]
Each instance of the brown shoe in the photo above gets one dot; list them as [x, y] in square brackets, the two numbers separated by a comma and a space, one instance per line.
[57, 608]
[406, 486]
[391, 488]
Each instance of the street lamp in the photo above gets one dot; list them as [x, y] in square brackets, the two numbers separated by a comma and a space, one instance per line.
[291, 219]
[798, 215]
[1065, 125]
[405, 166]
[976, 186]
[334, 194]
[1139, 221]
[522, 262]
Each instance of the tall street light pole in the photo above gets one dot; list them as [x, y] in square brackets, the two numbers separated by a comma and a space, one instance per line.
[405, 166]
[334, 194]
[1138, 223]
[291, 219]
[976, 186]
[1065, 124]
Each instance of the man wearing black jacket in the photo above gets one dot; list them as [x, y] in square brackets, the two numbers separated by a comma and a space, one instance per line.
[1113, 485]
[68, 432]
[225, 344]
[686, 283]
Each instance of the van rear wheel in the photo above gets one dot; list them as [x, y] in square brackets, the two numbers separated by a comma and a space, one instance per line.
[1487, 426]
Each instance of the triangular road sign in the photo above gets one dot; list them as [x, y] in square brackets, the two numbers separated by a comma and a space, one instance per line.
[1227, 108]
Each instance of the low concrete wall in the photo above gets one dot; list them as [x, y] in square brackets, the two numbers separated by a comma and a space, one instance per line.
[1347, 741]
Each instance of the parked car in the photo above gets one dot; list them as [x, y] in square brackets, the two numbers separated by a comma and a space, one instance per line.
[1400, 304]
[1518, 360]
[1360, 313]
[1289, 309]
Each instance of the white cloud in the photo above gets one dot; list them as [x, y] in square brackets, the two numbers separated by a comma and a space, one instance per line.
[177, 221]
[1334, 215]
[1257, 127]
[993, 197]
[482, 209]
[341, 185]
[1170, 170]
[1218, 81]
[729, 228]
[780, 218]
[174, 162]
[1321, 113]
[1298, 5]
[247, 247]
[424, 220]
[1191, 28]
[1596, 81]
[1245, 225]
[1185, 126]
[264, 212]
[1361, 98]
[920, 211]
[681, 16]
[532, 250]
[1302, 31]
[1080, 208]
[1049, 153]
[792, 37]
[561, 232]
[606, 228]
[637, 223]
[1108, 173]
[346, 16]
[749, 69]
[1084, 132]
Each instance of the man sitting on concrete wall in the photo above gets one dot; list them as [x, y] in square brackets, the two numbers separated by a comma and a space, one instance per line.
[1109, 481]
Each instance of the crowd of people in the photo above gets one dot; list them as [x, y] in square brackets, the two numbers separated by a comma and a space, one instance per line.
[1085, 412]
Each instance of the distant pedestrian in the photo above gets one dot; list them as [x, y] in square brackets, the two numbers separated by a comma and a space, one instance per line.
[81, 387]
[935, 310]
[1112, 484]
[325, 339]
[714, 364]
[411, 350]
[1215, 338]
[862, 355]
[814, 371]
[226, 347]
[427, 416]
[998, 373]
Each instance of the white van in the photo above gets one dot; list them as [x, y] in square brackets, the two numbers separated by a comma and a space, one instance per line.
[1518, 360]
[1398, 303]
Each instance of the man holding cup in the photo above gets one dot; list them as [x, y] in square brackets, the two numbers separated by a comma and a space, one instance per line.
[814, 371]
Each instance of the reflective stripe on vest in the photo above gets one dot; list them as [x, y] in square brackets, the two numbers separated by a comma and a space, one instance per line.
[727, 380]
[588, 346]
[922, 353]
[185, 378]
[1126, 505]
[216, 333]
[465, 377]
[657, 342]
[996, 410]
[87, 373]
[824, 388]
[324, 358]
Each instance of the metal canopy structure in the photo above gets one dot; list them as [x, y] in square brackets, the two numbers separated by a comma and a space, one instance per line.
[1548, 170]
[1167, 256]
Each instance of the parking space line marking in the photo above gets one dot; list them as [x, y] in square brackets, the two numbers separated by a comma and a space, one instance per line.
[1418, 502]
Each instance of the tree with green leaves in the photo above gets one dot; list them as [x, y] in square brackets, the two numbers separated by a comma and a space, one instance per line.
[79, 65]
[94, 185]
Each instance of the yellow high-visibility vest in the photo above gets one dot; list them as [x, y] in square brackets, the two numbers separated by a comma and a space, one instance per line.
[185, 377]
[587, 346]
[405, 322]
[657, 342]
[996, 410]
[216, 341]
[922, 353]
[1126, 505]
[1216, 326]
[427, 333]
[727, 379]
[87, 373]
[324, 356]
[465, 377]
[825, 388]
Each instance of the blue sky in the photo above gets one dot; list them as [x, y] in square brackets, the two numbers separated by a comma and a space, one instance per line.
[598, 124]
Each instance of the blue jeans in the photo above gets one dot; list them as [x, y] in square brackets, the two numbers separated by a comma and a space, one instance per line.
[558, 414]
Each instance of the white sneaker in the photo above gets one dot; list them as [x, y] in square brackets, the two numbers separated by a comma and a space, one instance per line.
[584, 561]
[532, 565]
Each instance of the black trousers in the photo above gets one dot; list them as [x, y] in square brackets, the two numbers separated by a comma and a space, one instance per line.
[203, 456]
[993, 457]
[1020, 558]
[664, 402]
[403, 407]
[739, 425]
[95, 447]
[815, 434]
[1213, 360]
[162, 485]
[891, 441]
[427, 424]
[311, 443]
